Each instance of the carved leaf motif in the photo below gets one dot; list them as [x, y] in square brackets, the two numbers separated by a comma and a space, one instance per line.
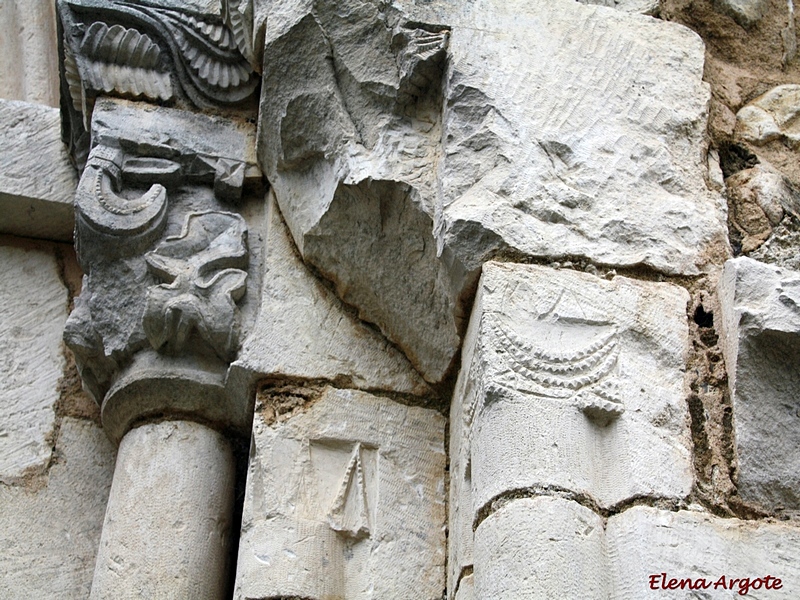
[202, 268]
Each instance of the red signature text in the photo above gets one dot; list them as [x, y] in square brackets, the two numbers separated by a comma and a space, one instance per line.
[742, 585]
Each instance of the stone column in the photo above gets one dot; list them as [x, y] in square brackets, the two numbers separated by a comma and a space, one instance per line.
[166, 259]
[169, 515]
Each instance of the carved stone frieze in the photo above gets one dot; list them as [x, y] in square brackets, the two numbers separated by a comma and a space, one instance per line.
[165, 256]
[160, 51]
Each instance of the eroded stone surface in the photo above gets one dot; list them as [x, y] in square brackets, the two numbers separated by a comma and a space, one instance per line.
[345, 499]
[541, 548]
[37, 181]
[167, 526]
[644, 541]
[771, 116]
[49, 537]
[29, 61]
[398, 180]
[645, 7]
[761, 343]
[538, 163]
[34, 302]
[304, 332]
[573, 382]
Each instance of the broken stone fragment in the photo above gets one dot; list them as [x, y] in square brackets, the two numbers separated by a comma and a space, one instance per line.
[759, 197]
[303, 331]
[398, 179]
[746, 13]
[345, 499]
[771, 116]
[760, 340]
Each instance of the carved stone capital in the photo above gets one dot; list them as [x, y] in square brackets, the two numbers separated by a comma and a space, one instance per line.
[165, 254]
[165, 51]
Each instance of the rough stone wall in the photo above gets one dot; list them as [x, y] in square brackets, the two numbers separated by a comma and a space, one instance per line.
[57, 463]
[523, 296]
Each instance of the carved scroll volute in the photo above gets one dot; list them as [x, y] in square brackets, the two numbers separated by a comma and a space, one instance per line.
[127, 224]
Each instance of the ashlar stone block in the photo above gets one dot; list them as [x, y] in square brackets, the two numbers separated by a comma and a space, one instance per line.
[541, 547]
[49, 535]
[760, 326]
[37, 180]
[645, 541]
[303, 331]
[575, 383]
[34, 302]
[345, 499]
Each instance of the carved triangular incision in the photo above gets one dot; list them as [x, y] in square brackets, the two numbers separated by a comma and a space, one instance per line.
[349, 513]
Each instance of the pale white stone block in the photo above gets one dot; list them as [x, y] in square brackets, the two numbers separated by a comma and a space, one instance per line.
[570, 130]
[771, 116]
[760, 329]
[37, 180]
[168, 519]
[34, 309]
[345, 499]
[541, 548]
[303, 330]
[645, 541]
[29, 60]
[577, 383]
[49, 536]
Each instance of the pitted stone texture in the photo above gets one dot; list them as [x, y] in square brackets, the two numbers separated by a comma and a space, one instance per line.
[541, 548]
[168, 521]
[576, 131]
[398, 199]
[29, 61]
[761, 343]
[34, 302]
[746, 13]
[771, 116]
[645, 7]
[49, 536]
[304, 332]
[575, 382]
[37, 181]
[645, 541]
[345, 499]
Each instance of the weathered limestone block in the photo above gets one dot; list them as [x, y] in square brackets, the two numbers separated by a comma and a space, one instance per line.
[398, 179]
[575, 383]
[37, 181]
[171, 281]
[645, 541]
[541, 548]
[49, 536]
[771, 116]
[745, 12]
[576, 131]
[345, 499]
[645, 7]
[29, 60]
[304, 332]
[149, 552]
[34, 302]
[761, 343]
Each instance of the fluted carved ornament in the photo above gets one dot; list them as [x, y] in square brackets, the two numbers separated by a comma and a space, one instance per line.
[159, 50]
